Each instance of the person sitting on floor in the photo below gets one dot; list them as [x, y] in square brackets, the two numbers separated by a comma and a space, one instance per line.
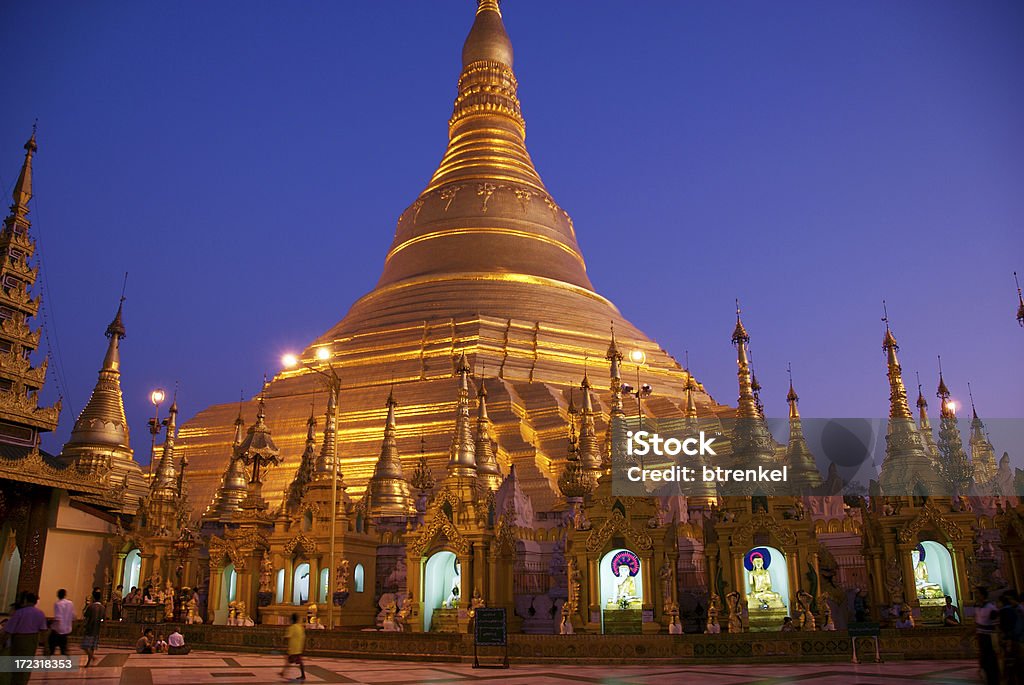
[176, 643]
[787, 625]
[161, 644]
[950, 613]
[144, 645]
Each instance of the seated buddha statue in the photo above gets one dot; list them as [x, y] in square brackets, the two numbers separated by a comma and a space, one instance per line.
[761, 586]
[925, 588]
[625, 591]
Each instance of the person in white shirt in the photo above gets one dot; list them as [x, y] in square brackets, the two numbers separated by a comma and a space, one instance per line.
[60, 627]
[176, 643]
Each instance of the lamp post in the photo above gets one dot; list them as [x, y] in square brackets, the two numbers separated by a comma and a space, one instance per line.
[641, 391]
[156, 397]
[334, 386]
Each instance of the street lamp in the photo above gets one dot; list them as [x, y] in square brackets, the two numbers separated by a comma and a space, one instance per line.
[333, 384]
[156, 397]
[641, 391]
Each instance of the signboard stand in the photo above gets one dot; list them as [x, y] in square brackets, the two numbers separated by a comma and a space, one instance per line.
[489, 630]
[870, 630]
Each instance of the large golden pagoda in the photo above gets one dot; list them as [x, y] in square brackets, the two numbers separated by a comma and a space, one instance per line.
[484, 262]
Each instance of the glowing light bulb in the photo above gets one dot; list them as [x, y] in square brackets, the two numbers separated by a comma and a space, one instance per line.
[323, 354]
[157, 396]
[289, 361]
[637, 356]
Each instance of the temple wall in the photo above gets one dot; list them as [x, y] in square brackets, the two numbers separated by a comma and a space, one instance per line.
[77, 550]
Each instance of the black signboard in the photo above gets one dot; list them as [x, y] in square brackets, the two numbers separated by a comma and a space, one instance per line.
[489, 630]
[489, 627]
[864, 629]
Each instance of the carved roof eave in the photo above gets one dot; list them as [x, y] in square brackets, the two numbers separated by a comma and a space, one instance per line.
[33, 469]
[762, 520]
[617, 524]
[439, 524]
[932, 516]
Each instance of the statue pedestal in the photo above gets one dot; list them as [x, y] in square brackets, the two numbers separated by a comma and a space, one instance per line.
[931, 610]
[766, 620]
[444, 621]
[623, 622]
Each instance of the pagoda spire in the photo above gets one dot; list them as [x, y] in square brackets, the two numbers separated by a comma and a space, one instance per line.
[329, 448]
[906, 469]
[691, 388]
[23, 188]
[99, 441]
[924, 424]
[487, 466]
[388, 492]
[164, 483]
[486, 208]
[307, 463]
[232, 490]
[747, 403]
[257, 452]
[983, 454]
[954, 468]
[752, 442]
[616, 415]
[589, 450]
[804, 471]
[462, 461]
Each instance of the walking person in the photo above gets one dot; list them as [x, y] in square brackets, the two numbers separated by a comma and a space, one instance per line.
[93, 622]
[295, 634]
[1011, 631]
[26, 627]
[986, 617]
[63, 618]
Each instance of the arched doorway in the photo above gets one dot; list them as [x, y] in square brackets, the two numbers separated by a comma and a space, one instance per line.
[300, 584]
[933, 578]
[228, 589]
[766, 580]
[622, 592]
[132, 569]
[442, 580]
[10, 569]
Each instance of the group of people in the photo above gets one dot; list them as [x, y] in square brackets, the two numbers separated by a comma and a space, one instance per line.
[1000, 630]
[174, 644]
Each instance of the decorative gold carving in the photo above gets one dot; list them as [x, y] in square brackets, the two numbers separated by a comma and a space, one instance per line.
[439, 525]
[302, 544]
[485, 190]
[930, 515]
[617, 524]
[448, 195]
[762, 520]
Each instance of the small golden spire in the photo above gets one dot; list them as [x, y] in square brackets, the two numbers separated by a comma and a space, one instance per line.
[462, 460]
[486, 462]
[691, 388]
[388, 491]
[487, 40]
[422, 478]
[747, 402]
[791, 397]
[23, 187]
[946, 407]
[898, 407]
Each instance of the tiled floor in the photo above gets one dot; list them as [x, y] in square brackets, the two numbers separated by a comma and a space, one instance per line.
[119, 667]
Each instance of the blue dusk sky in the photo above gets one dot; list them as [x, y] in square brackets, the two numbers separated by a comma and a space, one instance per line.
[246, 162]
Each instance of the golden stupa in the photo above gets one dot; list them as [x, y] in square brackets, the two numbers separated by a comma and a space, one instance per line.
[484, 262]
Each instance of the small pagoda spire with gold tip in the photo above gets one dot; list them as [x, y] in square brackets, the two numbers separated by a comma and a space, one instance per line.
[983, 454]
[99, 441]
[164, 478]
[924, 424]
[954, 468]
[487, 468]
[804, 474]
[258, 452]
[307, 464]
[617, 414]
[388, 492]
[329, 448]
[574, 482]
[462, 460]
[907, 469]
[691, 404]
[233, 485]
[752, 442]
[589, 449]
[22, 193]
[747, 403]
